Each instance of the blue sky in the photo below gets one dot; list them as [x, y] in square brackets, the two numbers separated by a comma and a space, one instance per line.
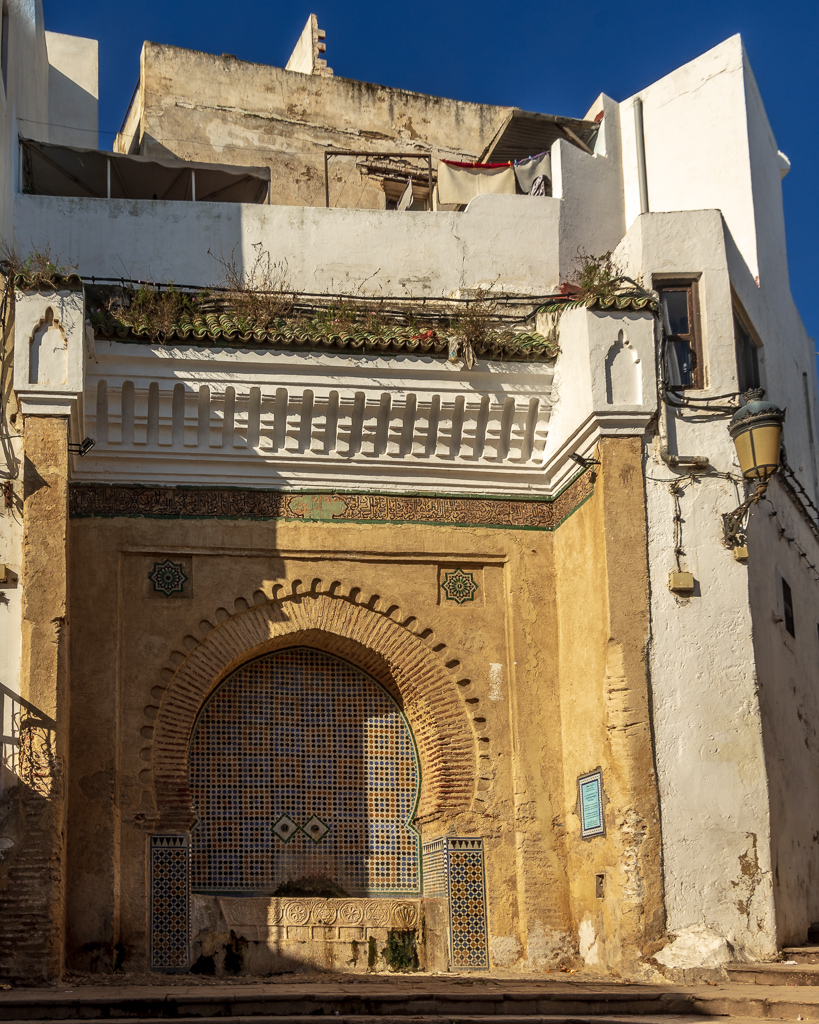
[552, 57]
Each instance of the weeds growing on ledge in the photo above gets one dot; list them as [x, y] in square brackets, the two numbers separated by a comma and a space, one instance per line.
[37, 267]
[259, 295]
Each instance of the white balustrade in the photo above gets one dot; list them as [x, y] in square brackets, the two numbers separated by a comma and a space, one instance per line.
[276, 418]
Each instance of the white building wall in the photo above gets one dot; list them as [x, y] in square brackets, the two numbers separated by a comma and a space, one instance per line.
[788, 671]
[509, 243]
[73, 90]
[709, 750]
[696, 144]
[590, 189]
[23, 99]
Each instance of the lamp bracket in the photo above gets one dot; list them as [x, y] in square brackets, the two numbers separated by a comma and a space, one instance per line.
[733, 529]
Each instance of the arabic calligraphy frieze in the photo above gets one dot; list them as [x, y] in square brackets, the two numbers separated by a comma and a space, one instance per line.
[208, 503]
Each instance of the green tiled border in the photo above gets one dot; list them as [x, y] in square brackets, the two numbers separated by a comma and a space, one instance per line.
[512, 513]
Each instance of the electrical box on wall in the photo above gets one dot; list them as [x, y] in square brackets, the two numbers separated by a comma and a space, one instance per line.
[681, 582]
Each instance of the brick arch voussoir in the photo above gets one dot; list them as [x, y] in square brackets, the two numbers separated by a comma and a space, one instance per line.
[405, 658]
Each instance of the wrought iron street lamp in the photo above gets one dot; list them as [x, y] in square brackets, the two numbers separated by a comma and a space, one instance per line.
[756, 430]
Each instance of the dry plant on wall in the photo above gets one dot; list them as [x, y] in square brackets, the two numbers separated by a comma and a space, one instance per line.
[152, 307]
[256, 301]
[596, 277]
[346, 316]
[38, 267]
[471, 326]
[259, 295]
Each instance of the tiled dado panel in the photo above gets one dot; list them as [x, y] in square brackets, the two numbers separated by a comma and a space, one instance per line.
[170, 902]
[454, 869]
[302, 767]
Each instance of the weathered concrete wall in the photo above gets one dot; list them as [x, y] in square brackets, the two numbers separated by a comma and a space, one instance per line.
[198, 106]
[23, 110]
[73, 90]
[706, 715]
[506, 242]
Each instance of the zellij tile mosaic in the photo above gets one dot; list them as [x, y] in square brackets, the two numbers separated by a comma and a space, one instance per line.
[169, 902]
[301, 765]
[467, 904]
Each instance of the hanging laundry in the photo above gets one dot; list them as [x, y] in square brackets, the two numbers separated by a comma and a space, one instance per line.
[406, 196]
[540, 186]
[526, 171]
[458, 183]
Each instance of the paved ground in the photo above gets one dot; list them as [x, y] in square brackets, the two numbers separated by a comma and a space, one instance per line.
[421, 998]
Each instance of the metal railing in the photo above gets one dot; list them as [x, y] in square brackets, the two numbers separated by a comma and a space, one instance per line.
[18, 716]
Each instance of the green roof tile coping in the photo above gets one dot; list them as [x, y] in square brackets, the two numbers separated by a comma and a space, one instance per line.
[227, 328]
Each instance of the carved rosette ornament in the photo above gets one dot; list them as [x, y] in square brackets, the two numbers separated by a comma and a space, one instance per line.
[297, 912]
[261, 911]
[351, 912]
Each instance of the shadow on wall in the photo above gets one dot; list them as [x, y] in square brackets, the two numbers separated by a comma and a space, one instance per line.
[75, 117]
[30, 776]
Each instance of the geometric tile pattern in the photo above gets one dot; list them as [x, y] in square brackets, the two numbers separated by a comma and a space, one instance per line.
[301, 766]
[169, 928]
[454, 870]
[167, 577]
[209, 503]
[459, 586]
[467, 904]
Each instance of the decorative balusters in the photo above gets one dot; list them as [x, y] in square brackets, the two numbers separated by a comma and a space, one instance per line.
[499, 427]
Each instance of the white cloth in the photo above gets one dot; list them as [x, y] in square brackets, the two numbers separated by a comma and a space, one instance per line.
[406, 196]
[457, 185]
[527, 170]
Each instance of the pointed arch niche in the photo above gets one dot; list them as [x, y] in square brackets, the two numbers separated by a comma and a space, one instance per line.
[398, 655]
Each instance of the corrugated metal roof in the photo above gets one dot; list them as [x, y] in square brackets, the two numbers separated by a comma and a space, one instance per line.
[524, 133]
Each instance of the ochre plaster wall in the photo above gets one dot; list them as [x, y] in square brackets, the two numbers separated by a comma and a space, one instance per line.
[32, 877]
[520, 675]
[602, 637]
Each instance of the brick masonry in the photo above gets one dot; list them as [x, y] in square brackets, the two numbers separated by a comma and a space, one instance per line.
[398, 658]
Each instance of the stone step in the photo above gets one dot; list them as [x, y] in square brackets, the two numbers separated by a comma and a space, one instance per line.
[808, 954]
[511, 1019]
[404, 999]
[800, 974]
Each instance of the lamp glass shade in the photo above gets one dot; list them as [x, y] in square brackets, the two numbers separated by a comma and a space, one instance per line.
[756, 430]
